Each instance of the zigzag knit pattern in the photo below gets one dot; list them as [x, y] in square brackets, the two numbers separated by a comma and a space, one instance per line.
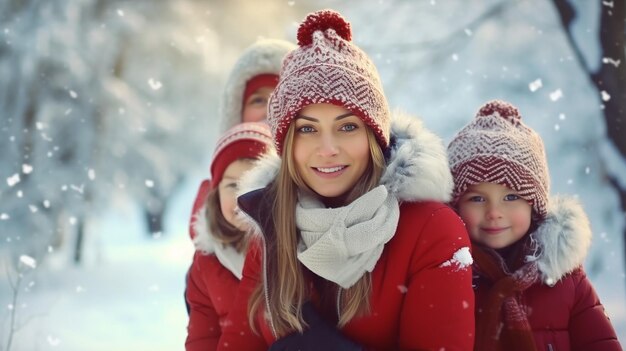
[496, 147]
[328, 69]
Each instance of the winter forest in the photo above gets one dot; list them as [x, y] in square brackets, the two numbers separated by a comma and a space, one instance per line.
[107, 128]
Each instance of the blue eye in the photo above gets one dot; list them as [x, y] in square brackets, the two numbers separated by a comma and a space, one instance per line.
[511, 197]
[306, 129]
[476, 198]
[349, 127]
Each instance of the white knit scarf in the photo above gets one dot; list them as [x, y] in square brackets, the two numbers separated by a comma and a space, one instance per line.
[341, 244]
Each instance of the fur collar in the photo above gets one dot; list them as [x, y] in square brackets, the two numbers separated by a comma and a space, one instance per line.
[202, 239]
[563, 239]
[417, 168]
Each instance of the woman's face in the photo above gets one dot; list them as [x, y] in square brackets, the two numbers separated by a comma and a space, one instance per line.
[227, 189]
[255, 106]
[330, 148]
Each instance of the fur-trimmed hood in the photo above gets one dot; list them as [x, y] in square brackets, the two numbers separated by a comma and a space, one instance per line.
[264, 56]
[417, 166]
[563, 239]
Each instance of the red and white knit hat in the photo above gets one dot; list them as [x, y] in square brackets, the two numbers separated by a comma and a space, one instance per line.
[245, 140]
[496, 147]
[257, 66]
[328, 68]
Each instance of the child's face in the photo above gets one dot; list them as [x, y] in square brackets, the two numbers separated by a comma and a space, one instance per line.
[330, 148]
[494, 215]
[255, 107]
[228, 190]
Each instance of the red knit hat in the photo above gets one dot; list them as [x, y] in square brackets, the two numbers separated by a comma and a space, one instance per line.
[259, 81]
[328, 68]
[496, 147]
[245, 140]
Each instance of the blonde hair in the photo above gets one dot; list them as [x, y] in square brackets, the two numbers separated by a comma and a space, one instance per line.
[284, 283]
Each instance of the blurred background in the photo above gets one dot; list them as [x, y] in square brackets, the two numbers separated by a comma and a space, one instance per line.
[108, 119]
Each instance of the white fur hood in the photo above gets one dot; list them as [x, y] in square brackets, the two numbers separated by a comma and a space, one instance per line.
[417, 167]
[563, 239]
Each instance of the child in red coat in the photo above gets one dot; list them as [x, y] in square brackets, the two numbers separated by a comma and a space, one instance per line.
[219, 236]
[528, 248]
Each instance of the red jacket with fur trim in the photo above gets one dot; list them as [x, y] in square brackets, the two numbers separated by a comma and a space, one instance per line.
[422, 297]
[210, 286]
[562, 307]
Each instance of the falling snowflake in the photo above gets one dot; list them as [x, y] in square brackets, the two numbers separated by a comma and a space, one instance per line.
[608, 60]
[14, 179]
[4, 216]
[535, 85]
[46, 203]
[403, 289]
[72, 220]
[73, 94]
[149, 183]
[26, 168]
[605, 96]
[556, 95]
[120, 12]
[91, 174]
[28, 261]
[32, 208]
[154, 84]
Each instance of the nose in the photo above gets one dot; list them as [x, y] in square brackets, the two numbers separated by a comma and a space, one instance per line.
[493, 211]
[328, 146]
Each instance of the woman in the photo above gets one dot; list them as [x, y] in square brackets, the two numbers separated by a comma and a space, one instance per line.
[357, 249]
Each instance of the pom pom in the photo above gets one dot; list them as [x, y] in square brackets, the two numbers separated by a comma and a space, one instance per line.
[322, 20]
[504, 109]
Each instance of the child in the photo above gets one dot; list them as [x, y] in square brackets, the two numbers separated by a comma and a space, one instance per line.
[357, 250]
[531, 290]
[219, 237]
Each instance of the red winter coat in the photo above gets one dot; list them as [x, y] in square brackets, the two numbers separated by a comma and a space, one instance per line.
[567, 315]
[421, 297]
[211, 287]
[210, 293]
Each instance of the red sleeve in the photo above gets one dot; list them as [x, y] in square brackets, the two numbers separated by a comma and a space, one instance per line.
[237, 334]
[589, 325]
[203, 330]
[438, 311]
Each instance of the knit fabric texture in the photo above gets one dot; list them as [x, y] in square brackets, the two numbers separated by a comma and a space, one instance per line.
[263, 57]
[328, 68]
[245, 140]
[497, 147]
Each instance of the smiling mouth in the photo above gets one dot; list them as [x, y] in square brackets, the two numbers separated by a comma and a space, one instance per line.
[494, 230]
[329, 169]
